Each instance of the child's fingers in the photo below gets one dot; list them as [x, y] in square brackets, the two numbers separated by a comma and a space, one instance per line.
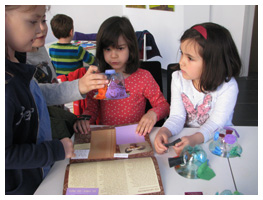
[73, 155]
[138, 128]
[148, 129]
[80, 128]
[92, 69]
[68, 147]
[84, 126]
[178, 149]
[158, 143]
[143, 130]
[75, 128]
[160, 148]
[179, 144]
[145, 126]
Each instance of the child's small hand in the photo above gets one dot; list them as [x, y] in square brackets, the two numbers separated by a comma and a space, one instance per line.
[191, 140]
[160, 139]
[92, 80]
[178, 147]
[146, 123]
[82, 126]
[68, 147]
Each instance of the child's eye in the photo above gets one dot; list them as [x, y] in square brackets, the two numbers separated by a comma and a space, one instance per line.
[190, 58]
[33, 22]
[44, 21]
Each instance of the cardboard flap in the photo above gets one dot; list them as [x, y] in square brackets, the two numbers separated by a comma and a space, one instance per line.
[103, 144]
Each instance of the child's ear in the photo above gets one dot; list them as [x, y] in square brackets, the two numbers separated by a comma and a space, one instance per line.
[71, 32]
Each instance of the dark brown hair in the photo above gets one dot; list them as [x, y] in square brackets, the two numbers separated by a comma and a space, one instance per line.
[109, 32]
[61, 26]
[220, 56]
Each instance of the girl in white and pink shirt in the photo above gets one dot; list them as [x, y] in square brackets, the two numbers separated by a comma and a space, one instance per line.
[204, 90]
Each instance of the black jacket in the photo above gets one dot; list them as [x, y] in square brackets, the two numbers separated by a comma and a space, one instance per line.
[24, 158]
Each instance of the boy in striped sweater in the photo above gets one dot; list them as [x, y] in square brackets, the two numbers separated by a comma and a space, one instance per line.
[65, 56]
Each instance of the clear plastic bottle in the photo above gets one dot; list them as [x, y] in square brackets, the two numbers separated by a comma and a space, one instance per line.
[116, 87]
[225, 144]
[189, 160]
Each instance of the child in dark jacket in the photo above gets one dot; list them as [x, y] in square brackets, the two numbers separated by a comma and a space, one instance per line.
[29, 148]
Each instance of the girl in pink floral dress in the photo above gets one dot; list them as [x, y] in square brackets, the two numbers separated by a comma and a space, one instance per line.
[117, 49]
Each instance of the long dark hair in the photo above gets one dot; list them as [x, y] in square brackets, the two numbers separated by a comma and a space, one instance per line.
[109, 32]
[220, 56]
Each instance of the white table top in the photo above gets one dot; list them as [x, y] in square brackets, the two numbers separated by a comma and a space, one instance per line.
[246, 172]
[245, 169]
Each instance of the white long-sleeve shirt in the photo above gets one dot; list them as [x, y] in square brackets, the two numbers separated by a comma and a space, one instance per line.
[192, 108]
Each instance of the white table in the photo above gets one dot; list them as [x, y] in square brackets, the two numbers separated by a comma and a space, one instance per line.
[245, 169]
[176, 184]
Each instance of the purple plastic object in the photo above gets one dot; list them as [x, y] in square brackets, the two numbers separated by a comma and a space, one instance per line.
[116, 91]
[230, 139]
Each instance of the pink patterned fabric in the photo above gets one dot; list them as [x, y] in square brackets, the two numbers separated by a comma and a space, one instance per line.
[200, 114]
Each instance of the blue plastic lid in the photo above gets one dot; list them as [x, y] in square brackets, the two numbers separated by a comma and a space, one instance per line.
[216, 136]
[110, 71]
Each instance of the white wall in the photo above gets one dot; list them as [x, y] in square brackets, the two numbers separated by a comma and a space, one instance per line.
[196, 14]
[166, 27]
[87, 18]
[238, 20]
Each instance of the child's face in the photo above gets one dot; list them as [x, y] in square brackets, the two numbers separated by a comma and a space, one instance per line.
[117, 57]
[41, 37]
[22, 26]
[191, 63]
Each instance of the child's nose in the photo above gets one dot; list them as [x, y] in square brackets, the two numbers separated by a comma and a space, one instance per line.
[42, 27]
[38, 29]
[181, 61]
[114, 54]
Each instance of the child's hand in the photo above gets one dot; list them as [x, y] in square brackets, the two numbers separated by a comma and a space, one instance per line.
[82, 126]
[178, 147]
[160, 139]
[92, 80]
[146, 123]
[68, 147]
[191, 140]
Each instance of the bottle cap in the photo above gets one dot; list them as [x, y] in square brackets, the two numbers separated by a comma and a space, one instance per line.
[216, 136]
[175, 161]
[110, 71]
